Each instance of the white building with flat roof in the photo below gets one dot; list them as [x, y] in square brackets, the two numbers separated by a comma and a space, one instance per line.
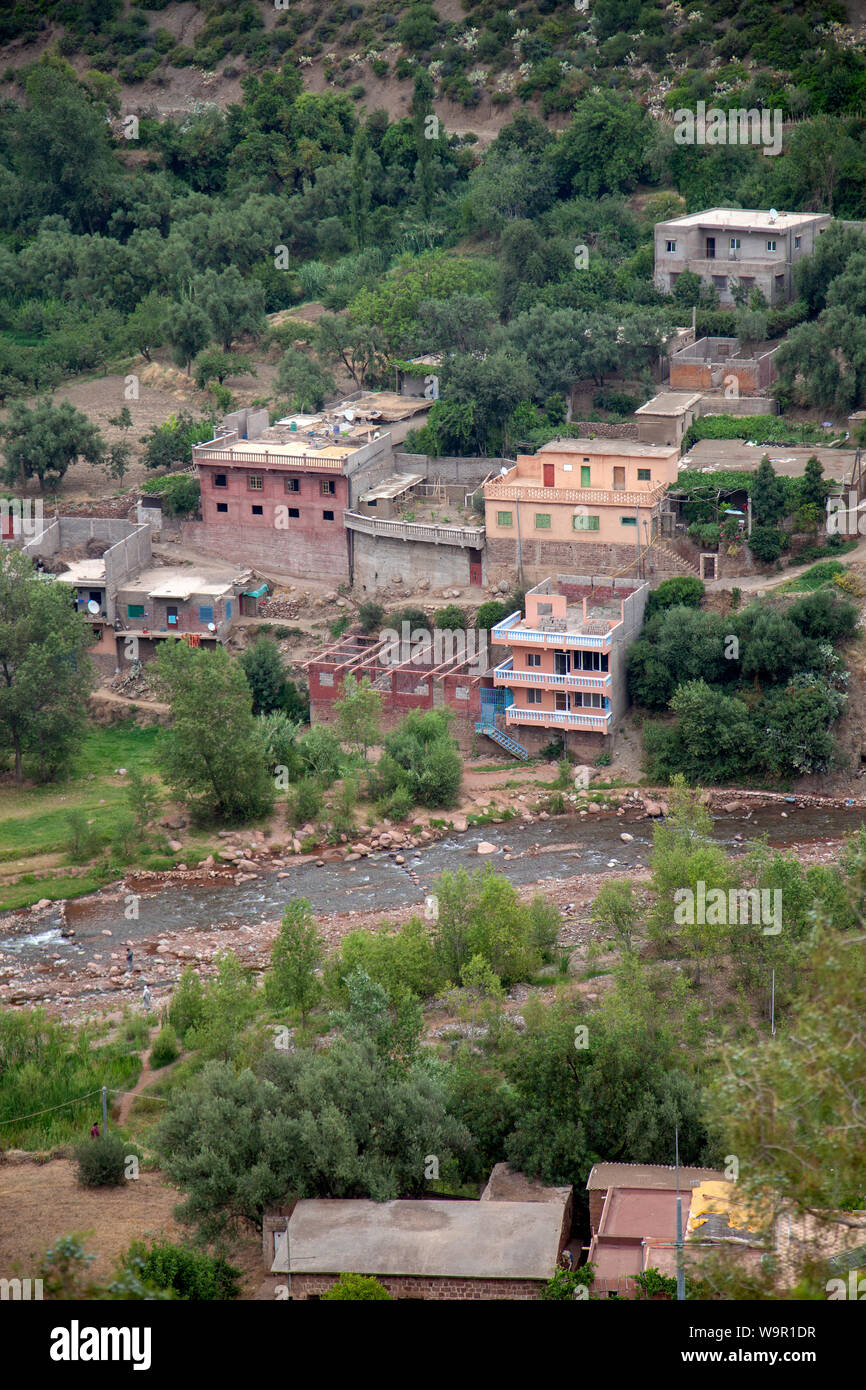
[725, 246]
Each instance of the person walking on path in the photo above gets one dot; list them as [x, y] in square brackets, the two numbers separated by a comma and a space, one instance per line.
[94, 1130]
[129, 957]
[146, 998]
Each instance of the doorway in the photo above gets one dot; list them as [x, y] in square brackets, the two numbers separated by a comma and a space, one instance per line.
[549, 470]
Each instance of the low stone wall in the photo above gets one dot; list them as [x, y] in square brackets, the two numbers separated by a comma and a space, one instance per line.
[404, 1286]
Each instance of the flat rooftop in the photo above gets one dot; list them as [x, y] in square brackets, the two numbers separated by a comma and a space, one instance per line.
[83, 572]
[670, 403]
[637, 1212]
[648, 1175]
[179, 583]
[714, 455]
[392, 487]
[605, 446]
[758, 219]
[439, 1239]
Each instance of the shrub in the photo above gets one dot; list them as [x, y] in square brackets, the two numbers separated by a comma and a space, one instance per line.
[765, 544]
[307, 802]
[102, 1162]
[83, 839]
[165, 1048]
[187, 1004]
[489, 614]
[672, 593]
[371, 616]
[451, 618]
[180, 493]
[399, 804]
[358, 1288]
[192, 1274]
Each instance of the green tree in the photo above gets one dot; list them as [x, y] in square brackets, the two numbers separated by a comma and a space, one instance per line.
[422, 755]
[212, 754]
[361, 189]
[304, 381]
[232, 306]
[228, 1004]
[359, 715]
[45, 673]
[604, 148]
[340, 1122]
[188, 330]
[769, 503]
[43, 442]
[615, 909]
[263, 667]
[422, 107]
[295, 960]
[813, 487]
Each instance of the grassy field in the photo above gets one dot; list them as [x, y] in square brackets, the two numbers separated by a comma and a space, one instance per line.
[35, 831]
[814, 578]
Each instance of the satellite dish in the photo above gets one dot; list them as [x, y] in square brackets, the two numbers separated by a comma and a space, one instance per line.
[93, 606]
[350, 415]
[773, 214]
[211, 627]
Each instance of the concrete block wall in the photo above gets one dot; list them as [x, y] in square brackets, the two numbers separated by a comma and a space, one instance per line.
[128, 556]
[299, 555]
[379, 561]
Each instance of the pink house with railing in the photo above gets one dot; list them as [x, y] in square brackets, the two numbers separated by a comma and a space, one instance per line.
[566, 671]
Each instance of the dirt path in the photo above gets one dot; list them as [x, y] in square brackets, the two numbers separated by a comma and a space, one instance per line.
[146, 1078]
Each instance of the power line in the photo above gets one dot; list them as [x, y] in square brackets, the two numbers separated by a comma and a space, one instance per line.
[49, 1108]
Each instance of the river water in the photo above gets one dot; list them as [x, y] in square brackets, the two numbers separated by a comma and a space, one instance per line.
[547, 850]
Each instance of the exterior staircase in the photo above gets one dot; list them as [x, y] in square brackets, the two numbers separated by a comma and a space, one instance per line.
[491, 730]
[669, 559]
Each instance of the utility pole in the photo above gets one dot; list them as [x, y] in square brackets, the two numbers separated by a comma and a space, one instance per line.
[681, 1278]
[773, 1005]
[104, 1109]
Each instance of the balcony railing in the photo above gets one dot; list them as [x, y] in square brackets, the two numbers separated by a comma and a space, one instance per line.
[280, 458]
[646, 496]
[472, 536]
[550, 680]
[560, 718]
[508, 631]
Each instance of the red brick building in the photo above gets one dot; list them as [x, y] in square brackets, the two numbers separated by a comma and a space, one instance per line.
[278, 497]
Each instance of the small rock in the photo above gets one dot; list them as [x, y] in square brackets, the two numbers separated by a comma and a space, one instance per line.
[485, 847]
[626, 838]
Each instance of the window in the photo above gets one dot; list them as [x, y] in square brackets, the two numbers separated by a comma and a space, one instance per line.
[135, 610]
[533, 697]
[326, 678]
[220, 480]
[228, 608]
[544, 610]
[327, 516]
[254, 482]
[542, 521]
[205, 613]
[258, 511]
[293, 484]
[533, 658]
[171, 616]
[771, 245]
[584, 475]
[293, 512]
[628, 521]
[373, 502]
[222, 506]
[329, 487]
[584, 523]
[503, 518]
[644, 475]
[734, 243]
[797, 241]
[670, 247]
